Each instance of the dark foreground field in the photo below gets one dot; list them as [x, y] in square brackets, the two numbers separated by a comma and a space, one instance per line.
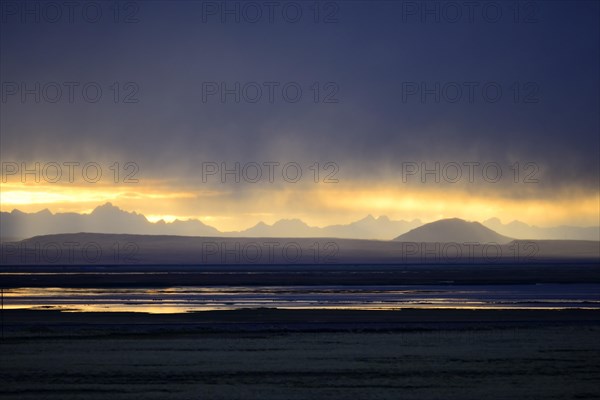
[409, 354]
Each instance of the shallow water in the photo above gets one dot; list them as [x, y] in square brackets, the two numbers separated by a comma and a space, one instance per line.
[188, 299]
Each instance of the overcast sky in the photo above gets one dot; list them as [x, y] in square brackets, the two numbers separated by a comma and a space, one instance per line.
[382, 84]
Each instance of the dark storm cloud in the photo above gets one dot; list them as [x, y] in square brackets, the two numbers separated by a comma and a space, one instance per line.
[371, 64]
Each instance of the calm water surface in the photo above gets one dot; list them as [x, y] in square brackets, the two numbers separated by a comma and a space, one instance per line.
[187, 299]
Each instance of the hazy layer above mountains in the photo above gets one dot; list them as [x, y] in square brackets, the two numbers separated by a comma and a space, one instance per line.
[110, 219]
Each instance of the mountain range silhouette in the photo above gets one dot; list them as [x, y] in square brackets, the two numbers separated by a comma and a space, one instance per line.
[109, 218]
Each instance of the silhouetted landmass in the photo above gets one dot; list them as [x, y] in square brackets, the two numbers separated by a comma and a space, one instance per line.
[113, 249]
[92, 259]
[381, 228]
[103, 219]
[108, 218]
[520, 230]
[453, 230]
[17, 225]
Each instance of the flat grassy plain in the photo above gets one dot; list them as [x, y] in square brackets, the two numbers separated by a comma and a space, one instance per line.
[414, 354]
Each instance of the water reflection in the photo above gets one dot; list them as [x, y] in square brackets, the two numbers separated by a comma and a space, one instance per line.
[188, 299]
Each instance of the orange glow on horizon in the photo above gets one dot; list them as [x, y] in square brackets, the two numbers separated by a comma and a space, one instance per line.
[316, 205]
